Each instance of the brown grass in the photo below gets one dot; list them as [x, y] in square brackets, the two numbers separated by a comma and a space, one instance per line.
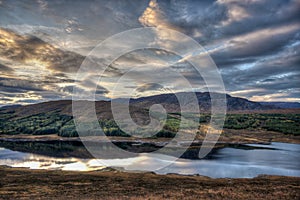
[20, 183]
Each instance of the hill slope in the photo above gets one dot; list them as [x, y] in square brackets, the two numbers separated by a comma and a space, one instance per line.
[55, 117]
[169, 101]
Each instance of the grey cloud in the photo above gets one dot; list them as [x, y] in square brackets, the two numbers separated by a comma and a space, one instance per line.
[27, 49]
[258, 40]
[101, 90]
[69, 90]
[263, 42]
[4, 68]
[264, 31]
[5, 99]
[66, 89]
[149, 87]
[27, 101]
[289, 81]
[23, 85]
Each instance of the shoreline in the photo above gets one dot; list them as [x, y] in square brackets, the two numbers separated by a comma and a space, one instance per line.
[229, 137]
[22, 183]
[53, 145]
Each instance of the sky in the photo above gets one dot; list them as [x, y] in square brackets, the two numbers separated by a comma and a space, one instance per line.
[254, 43]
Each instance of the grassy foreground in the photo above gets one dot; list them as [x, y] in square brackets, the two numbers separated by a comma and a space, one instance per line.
[21, 183]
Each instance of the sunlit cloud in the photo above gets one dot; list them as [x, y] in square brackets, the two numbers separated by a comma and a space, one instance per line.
[274, 98]
[154, 16]
[255, 45]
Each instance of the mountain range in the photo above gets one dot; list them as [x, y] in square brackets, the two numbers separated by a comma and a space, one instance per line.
[169, 102]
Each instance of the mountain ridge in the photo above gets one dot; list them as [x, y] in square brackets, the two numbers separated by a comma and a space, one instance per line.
[282, 104]
[169, 102]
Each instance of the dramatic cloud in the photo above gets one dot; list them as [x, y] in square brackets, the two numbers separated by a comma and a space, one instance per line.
[31, 50]
[254, 43]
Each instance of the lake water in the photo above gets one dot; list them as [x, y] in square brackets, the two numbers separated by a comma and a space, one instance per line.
[247, 162]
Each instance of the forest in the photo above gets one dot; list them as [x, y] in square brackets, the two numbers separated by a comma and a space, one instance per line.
[63, 125]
